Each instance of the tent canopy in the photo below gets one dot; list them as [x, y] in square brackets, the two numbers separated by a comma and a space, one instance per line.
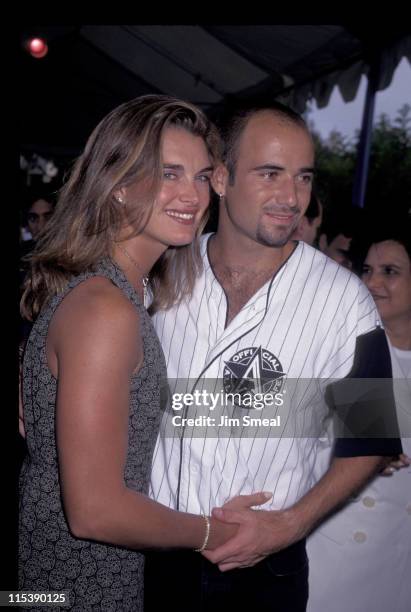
[90, 69]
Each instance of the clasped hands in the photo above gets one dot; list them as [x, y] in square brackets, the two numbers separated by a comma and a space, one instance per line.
[260, 532]
[263, 532]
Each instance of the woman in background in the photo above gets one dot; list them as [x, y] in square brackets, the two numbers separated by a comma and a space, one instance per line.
[360, 559]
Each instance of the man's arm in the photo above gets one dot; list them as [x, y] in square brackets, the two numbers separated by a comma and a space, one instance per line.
[262, 533]
[367, 431]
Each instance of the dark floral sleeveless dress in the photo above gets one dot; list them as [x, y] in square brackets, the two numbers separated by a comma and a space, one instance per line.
[97, 576]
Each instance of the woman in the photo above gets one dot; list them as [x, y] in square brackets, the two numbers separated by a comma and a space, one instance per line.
[39, 211]
[94, 374]
[369, 540]
[387, 274]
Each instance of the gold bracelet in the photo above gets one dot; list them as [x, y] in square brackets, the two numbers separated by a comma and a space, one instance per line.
[207, 534]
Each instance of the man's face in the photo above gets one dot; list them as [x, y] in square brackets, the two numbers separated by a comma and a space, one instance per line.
[273, 180]
[307, 230]
[338, 250]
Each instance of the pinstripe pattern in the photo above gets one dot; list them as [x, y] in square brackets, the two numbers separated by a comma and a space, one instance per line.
[309, 316]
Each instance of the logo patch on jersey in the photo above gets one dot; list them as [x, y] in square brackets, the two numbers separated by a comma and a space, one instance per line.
[253, 370]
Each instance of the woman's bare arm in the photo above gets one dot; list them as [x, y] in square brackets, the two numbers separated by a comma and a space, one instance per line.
[94, 346]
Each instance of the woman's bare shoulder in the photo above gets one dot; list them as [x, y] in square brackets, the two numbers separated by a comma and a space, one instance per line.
[95, 309]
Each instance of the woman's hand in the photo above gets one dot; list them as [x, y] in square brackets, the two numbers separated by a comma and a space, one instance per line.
[221, 532]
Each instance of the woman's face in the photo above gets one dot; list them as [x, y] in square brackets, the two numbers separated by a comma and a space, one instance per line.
[184, 193]
[38, 215]
[387, 274]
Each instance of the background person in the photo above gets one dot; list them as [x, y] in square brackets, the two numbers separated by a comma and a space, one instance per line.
[338, 229]
[38, 212]
[360, 559]
[309, 224]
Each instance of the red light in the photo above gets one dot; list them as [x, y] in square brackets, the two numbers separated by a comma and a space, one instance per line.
[37, 47]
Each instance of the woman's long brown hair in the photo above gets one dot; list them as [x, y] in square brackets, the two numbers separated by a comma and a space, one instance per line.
[124, 149]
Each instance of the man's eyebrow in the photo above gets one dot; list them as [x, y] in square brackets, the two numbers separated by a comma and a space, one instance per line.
[268, 167]
[309, 169]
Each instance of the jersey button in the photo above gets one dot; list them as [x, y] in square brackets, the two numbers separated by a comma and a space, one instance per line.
[360, 537]
[369, 502]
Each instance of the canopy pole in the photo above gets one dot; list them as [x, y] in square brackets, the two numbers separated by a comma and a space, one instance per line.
[364, 145]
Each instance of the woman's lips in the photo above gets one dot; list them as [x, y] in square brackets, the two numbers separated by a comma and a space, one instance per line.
[186, 218]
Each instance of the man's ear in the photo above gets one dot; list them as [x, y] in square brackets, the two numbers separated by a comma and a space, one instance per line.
[219, 179]
[322, 242]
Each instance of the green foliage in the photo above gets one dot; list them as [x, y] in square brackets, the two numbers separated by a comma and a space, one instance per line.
[389, 176]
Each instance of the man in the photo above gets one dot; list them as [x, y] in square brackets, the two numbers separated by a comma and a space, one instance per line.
[309, 224]
[266, 311]
[337, 231]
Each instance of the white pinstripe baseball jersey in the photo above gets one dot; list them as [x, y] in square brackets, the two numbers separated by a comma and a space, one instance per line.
[302, 324]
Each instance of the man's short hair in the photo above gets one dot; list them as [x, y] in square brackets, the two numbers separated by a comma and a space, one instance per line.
[314, 207]
[234, 120]
[348, 221]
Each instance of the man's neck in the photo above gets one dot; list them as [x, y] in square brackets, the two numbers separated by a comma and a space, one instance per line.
[242, 267]
[243, 254]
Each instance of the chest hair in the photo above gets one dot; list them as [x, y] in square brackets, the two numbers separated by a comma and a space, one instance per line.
[239, 286]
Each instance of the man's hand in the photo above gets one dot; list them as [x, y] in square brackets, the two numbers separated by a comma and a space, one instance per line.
[223, 532]
[395, 464]
[260, 533]
[244, 502]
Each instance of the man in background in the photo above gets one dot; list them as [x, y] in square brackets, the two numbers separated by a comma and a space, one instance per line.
[309, 224]
[338, 229]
